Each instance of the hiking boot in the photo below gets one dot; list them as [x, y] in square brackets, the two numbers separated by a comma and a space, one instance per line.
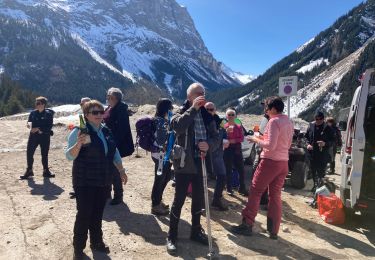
[159, 210]
[166, 206]
[243, 192]
[219, 204]
[78, 255]
[28, 173]
[242, 229]
[230, 192]
[100, 247]
[171, 246]
[48, 174]
[272, 236]
[198, 235]
[116, 201]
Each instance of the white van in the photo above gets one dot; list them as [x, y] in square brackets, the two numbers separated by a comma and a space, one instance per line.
[357, 187]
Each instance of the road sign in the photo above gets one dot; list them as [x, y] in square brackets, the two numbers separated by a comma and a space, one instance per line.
[288, 86]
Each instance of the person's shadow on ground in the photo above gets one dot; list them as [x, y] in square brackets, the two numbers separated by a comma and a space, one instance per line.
[147, 227]
[48, 189]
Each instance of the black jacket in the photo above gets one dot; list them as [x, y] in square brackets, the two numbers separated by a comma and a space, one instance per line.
[118, 123]
[184, 119]
[43, 120]
[325, 134]
[92, 167]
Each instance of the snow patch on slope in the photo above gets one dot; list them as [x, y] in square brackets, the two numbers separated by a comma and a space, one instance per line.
[237, 76]
[99, 59]
[312, 65]
[303, 46]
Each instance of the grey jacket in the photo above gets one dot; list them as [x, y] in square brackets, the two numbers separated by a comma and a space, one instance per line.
[184, 119]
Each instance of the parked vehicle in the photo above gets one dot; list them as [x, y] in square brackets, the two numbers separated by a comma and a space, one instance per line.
[357, 187]
[299, 163]
[248, 149]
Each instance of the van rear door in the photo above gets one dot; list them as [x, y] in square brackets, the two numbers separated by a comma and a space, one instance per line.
[358, 139]
[368, 178]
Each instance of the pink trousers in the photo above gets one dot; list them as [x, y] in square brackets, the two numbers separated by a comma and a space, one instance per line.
[269, 174]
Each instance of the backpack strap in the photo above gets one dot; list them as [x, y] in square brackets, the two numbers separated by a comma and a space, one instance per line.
[182, 161]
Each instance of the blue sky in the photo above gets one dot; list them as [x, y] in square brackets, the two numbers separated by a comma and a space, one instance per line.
[251, 35]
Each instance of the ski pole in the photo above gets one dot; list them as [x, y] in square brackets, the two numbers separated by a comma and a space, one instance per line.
[207, 205]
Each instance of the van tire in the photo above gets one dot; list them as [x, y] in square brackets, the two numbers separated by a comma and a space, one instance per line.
[299, 175]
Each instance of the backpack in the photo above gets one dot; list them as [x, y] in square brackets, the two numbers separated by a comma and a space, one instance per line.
[145, 133]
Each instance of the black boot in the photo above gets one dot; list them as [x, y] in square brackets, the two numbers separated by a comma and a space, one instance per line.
[219, 204]
[242, 229]
[78, 255]
[116, 201]
[48, 174]
[197, 234]
[29, 173]
[100, 247]
[243, 191]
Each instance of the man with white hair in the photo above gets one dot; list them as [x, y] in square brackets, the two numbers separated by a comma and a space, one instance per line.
[116, 118]
[195, 133]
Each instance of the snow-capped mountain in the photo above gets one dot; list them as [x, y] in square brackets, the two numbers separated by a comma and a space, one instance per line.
[327, 66]
[124, 42]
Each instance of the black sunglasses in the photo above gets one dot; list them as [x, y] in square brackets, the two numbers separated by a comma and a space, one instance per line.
[231, 114]
[97, 112]
[38, 103]
[210, 109]
[319, 119]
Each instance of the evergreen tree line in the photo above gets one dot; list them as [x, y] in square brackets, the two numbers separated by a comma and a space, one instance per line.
[13, 98]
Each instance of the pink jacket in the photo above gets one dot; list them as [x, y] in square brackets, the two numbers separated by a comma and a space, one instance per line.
[277, 138]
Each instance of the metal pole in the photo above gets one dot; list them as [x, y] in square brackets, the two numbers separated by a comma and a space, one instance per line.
[288, 100]
[207, 206]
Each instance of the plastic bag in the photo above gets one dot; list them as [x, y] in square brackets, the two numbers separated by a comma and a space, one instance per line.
[331, 209]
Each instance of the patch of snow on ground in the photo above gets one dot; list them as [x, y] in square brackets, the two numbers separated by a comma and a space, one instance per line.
[303, 46]
[2, 69]
[312, 65]
[333, 96]
[70, 108]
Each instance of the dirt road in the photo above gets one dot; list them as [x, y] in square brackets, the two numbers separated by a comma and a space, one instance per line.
[37, 216]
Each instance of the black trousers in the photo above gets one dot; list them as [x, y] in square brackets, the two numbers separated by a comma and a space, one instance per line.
[318, 165]
[118, 189]
[233, 157]
[90, 207]
[182, 183]
[160, 182]
[34, 140]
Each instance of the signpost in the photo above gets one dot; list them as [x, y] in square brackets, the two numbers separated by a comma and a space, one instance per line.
[287, 88]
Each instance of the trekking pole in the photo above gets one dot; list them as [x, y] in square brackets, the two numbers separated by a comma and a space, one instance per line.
[207, 205]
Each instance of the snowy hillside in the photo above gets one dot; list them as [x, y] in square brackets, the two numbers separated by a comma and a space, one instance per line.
[152, 40]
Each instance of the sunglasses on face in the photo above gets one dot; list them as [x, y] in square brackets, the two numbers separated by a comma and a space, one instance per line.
[38, 103]
[210, 109]
[319, 119]
[97, 112]
[231, 114]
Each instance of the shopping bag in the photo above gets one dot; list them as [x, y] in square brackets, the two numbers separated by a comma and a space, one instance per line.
[331, 209]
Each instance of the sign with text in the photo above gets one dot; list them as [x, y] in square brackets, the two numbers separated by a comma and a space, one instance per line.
[288, 86]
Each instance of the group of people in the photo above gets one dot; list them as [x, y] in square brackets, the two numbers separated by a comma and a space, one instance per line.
[199, 133]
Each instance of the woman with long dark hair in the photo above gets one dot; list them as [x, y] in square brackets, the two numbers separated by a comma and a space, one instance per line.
[162, 173]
